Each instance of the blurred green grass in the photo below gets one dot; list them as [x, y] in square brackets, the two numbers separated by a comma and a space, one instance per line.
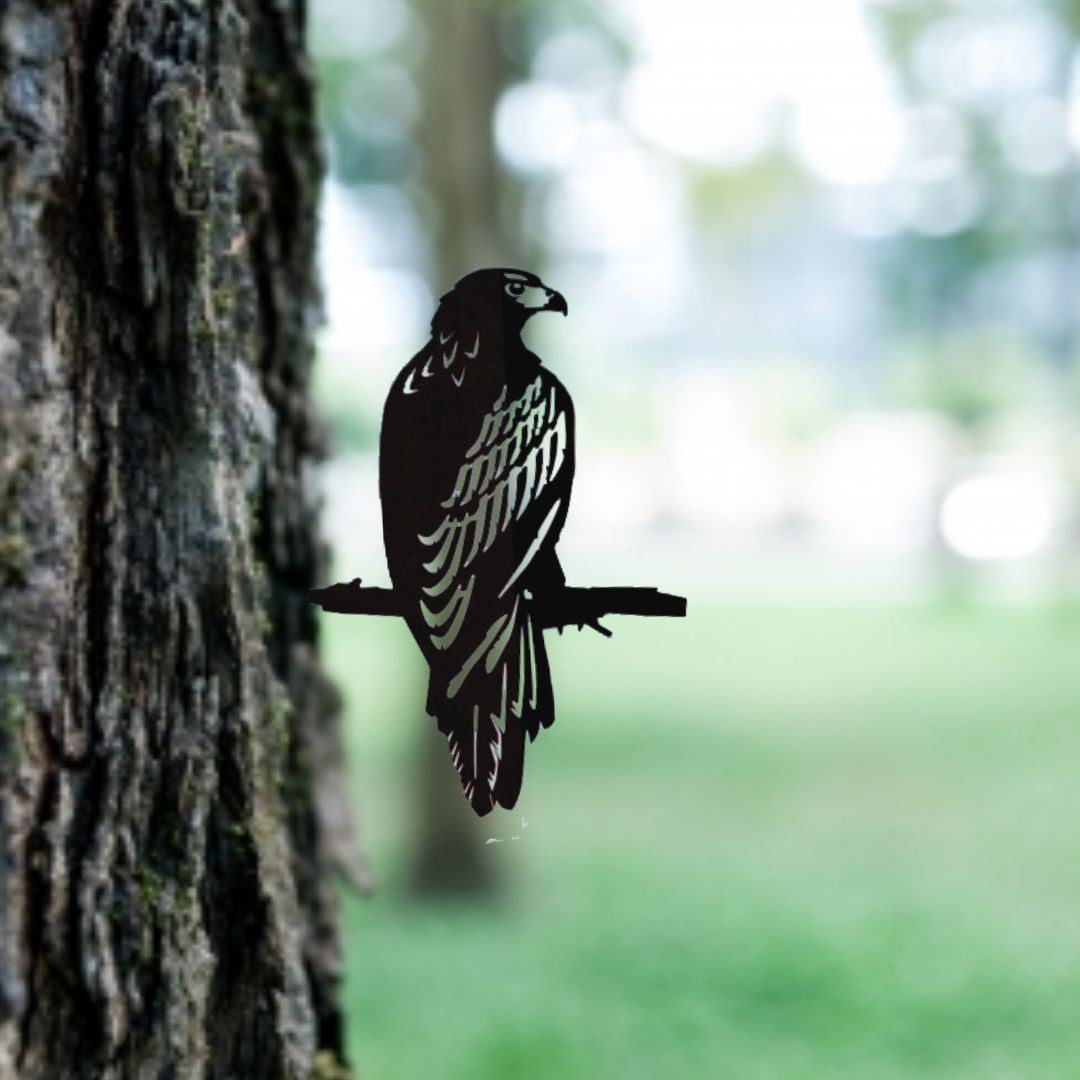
[764, 842]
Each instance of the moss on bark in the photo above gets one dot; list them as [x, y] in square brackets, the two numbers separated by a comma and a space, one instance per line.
[166, 856]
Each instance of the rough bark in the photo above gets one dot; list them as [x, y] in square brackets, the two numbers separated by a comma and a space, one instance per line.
[165, 906]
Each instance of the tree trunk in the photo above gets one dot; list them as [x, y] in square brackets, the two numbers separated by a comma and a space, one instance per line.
[165, 903]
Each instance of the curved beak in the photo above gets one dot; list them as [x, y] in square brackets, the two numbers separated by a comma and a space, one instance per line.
[556, 302]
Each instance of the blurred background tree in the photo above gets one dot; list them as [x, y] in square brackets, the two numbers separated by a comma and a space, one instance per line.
[458, 86]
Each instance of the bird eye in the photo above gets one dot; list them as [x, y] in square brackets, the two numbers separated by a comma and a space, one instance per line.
[515, 288]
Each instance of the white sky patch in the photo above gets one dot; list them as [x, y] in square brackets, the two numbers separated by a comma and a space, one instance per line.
[536, 127]
[1034, 134]
[629, 207]
[620, 199]
[347, 29]
[871, 486]
[702, 112]
[850, 127]
[1004, 513]
[366, 306]
[980, 58]
[713, 74]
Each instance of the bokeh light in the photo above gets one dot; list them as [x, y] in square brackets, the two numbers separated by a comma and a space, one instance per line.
[1002, 514]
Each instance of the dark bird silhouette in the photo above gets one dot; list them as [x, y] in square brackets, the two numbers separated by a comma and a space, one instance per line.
[476, 464]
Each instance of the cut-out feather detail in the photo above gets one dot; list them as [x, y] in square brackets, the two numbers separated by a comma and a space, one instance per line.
[534, 547]
[493, 631]
[493, 688]
[493, 488]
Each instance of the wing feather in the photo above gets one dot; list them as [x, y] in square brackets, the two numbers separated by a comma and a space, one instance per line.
[462, 603]
[433, 566]
[519, 449]
[526, 470]
[494, 526]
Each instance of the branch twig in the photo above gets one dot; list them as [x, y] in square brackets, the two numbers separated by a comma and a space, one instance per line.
[566, 607]
[585, 607]
[351, 598]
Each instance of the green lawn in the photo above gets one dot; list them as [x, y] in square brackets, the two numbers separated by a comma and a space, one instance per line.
[815, 842]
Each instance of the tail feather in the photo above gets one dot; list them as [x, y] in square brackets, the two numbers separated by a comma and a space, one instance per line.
[486, 722]
[543, 715]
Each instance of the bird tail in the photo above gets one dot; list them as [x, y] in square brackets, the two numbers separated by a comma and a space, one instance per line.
[486, 721]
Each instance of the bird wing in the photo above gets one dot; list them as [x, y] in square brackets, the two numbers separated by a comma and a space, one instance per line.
[493, 685]
[511, 465]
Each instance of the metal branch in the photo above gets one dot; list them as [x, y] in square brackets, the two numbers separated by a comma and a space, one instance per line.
[585, 607]
[565, 607]
[351, 598]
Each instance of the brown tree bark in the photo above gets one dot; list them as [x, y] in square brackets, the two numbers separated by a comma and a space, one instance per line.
[167, 738]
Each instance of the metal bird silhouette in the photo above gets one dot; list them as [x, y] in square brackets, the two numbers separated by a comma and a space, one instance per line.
[476, 466]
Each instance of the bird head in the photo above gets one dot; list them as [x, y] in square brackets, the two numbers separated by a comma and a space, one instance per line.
[510, 296]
